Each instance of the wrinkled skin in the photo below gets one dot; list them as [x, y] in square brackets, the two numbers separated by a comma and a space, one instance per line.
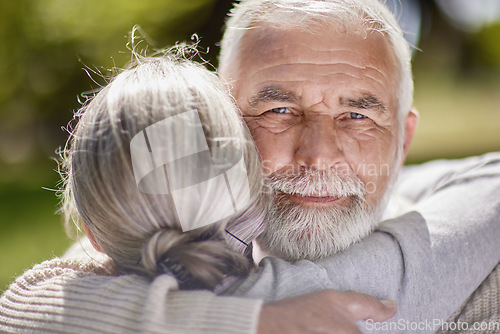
[322, 99]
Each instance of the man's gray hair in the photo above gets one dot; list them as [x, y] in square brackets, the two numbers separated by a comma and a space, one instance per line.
[367, 15]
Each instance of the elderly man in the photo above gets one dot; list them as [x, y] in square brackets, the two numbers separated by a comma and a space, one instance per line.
[326, 90]
[327, 99]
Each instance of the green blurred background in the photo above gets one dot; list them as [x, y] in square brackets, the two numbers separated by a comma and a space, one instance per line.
[46, 44]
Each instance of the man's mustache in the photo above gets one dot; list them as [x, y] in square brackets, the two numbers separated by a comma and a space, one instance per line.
[316, 183]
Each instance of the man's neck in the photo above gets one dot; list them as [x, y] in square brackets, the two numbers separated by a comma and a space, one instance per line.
[257, 252]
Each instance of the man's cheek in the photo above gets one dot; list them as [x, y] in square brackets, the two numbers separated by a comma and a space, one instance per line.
[370, 149]
[272, 161]
[371, 165]
[252, 125]
[268, 167]
[276, 151]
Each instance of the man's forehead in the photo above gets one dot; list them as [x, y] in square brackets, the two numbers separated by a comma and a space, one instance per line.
[271, 57]
[267, 44]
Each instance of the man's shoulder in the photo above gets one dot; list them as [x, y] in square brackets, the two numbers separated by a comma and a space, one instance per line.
[443, 166]
[416, 182]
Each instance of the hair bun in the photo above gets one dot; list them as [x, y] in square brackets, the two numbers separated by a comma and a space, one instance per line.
[193, 260]
[185, 280]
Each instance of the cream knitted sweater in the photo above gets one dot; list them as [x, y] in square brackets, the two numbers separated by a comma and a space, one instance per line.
[75, 296]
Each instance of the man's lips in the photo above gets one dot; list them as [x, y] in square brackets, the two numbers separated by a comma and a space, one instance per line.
[318, 201]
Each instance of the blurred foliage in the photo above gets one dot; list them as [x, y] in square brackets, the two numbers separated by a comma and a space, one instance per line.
[487, 42]
[30, 232]
[457, 90]
[47, 44]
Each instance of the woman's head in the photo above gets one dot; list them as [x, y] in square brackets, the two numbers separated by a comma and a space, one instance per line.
[141, 229]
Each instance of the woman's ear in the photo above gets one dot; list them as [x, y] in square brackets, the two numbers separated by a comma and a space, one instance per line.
[89, 235]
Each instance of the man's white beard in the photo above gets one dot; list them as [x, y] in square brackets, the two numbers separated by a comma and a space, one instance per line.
[294, 232]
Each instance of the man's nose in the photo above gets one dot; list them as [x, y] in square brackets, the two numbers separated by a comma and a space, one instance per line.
[318, 145]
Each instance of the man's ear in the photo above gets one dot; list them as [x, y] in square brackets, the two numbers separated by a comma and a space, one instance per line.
[410, 125]
[89, 235]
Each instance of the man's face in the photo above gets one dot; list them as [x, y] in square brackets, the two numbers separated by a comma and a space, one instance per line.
[322, 108]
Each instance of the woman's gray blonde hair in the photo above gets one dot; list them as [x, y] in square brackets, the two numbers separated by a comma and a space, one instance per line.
[138, 230]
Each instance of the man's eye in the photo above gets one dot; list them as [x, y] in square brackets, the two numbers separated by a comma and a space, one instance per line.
[281, 110]
[355, 115]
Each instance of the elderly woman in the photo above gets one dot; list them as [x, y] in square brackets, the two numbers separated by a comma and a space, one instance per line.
[149, 154]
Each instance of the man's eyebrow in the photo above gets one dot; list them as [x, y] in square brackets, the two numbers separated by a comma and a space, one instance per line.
[272, 93]
[366, 102]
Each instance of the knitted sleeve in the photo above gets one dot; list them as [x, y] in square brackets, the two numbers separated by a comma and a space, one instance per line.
[69, 296]
[481, 312]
